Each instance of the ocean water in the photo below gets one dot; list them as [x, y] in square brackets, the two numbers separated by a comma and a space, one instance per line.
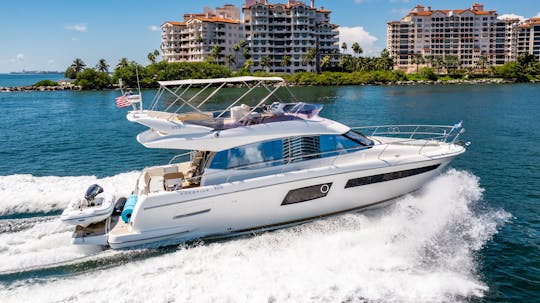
[470, 235]
[11, 80]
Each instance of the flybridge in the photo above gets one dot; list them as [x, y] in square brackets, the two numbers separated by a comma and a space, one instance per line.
[183, 114]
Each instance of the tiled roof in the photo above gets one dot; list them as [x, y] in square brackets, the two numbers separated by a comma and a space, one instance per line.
[447, 11]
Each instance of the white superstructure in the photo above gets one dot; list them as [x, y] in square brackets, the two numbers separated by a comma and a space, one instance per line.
[263, 166]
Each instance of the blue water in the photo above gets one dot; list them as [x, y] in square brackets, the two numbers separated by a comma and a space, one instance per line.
[11, 80]
[55, 140]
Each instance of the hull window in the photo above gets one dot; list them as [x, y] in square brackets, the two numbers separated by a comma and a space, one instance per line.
[389, 176]
[307, 193]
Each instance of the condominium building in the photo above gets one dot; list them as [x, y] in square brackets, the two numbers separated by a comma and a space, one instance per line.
[469, 34]
[293, 29]
[271, 32]
[193, 39]
[528, 37]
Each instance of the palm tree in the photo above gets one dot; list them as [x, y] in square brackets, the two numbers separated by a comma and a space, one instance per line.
[156, 53]
[236, 49]
[482, 62]
[78, 65]
[102, 66]
[439, 63]
[286, 61]
[248, 64]
[151, 57]
[309, 56]
[357, 49]
[430, 59]
[266, 62]
[123, 63]
[418, 59]
[216, 53]
[230, 60]
[344, 47]
[325, 62]
[451, 62]
[385, 62]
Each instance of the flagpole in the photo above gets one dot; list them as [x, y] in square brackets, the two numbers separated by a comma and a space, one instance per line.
[139, 87]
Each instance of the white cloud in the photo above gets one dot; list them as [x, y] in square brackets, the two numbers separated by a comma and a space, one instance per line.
[400, 11]
[153, 28]
[74, 39]
[19, 57]
[358, 34]
[512, 16]
[50, 62]
[76, 27]
[537, 15]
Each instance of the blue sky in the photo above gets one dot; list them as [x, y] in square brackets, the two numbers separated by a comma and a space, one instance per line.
[37, 34]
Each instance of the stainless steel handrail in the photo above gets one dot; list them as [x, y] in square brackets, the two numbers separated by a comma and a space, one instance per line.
[340, 152]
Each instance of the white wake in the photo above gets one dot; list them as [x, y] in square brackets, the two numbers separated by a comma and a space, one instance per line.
[20, 194]
[422, 249]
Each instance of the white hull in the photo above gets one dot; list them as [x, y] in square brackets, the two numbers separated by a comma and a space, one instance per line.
[256, 204]
[83, 216]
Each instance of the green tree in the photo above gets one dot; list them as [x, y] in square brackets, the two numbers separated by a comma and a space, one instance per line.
[451, 62]
[286, 61]
[357, 49]
[439, 63]
[482, 63]
[230, 60]
[309, 56]
[215, 54]
[151, 57]
[123, 63]
[385, 62]
[418, 59]
[102, 66]
[325, 62]
[266, 62]
[70, 73]
[236, 48]
[78, 65]
[248, 64]
[89, 78]
[344, 47]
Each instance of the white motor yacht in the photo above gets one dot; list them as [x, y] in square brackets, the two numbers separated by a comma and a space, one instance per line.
[260, 167]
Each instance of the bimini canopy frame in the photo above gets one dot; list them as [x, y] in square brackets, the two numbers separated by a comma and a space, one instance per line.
[178, 89]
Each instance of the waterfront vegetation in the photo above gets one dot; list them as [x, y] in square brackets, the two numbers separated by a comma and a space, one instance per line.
[353, 69]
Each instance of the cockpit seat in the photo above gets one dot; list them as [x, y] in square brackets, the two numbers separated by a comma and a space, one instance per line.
[173, 181]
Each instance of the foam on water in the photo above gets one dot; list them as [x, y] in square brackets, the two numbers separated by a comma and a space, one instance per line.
[20, 194]
[422, 249]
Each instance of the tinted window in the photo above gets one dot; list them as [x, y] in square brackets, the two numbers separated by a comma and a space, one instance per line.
[249, 154]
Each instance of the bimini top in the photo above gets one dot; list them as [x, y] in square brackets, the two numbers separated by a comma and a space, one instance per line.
[181, 122]
[219, 80]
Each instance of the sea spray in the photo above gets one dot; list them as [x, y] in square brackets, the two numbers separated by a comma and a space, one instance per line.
[419, 250]
[27, 194]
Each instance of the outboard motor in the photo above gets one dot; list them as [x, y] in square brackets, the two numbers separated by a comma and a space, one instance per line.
[119, 205]
[92, 192]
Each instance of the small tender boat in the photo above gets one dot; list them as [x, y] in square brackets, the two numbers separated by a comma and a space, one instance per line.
[257, 167]
[95, 207]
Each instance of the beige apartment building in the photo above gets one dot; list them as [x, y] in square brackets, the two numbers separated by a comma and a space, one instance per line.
[528, 37]
[470, 34]
[192, 40]
[290, 29]
[271, 31]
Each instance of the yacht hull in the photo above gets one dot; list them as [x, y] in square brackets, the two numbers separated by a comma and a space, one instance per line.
[269, 203]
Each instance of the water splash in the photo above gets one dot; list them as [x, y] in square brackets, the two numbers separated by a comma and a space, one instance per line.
[422, 249]
[27, 194]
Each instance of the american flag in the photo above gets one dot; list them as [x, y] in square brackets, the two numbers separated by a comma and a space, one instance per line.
[122, 101]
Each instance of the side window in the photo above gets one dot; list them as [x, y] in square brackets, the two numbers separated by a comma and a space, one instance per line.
[248, 155]
[330, 143]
